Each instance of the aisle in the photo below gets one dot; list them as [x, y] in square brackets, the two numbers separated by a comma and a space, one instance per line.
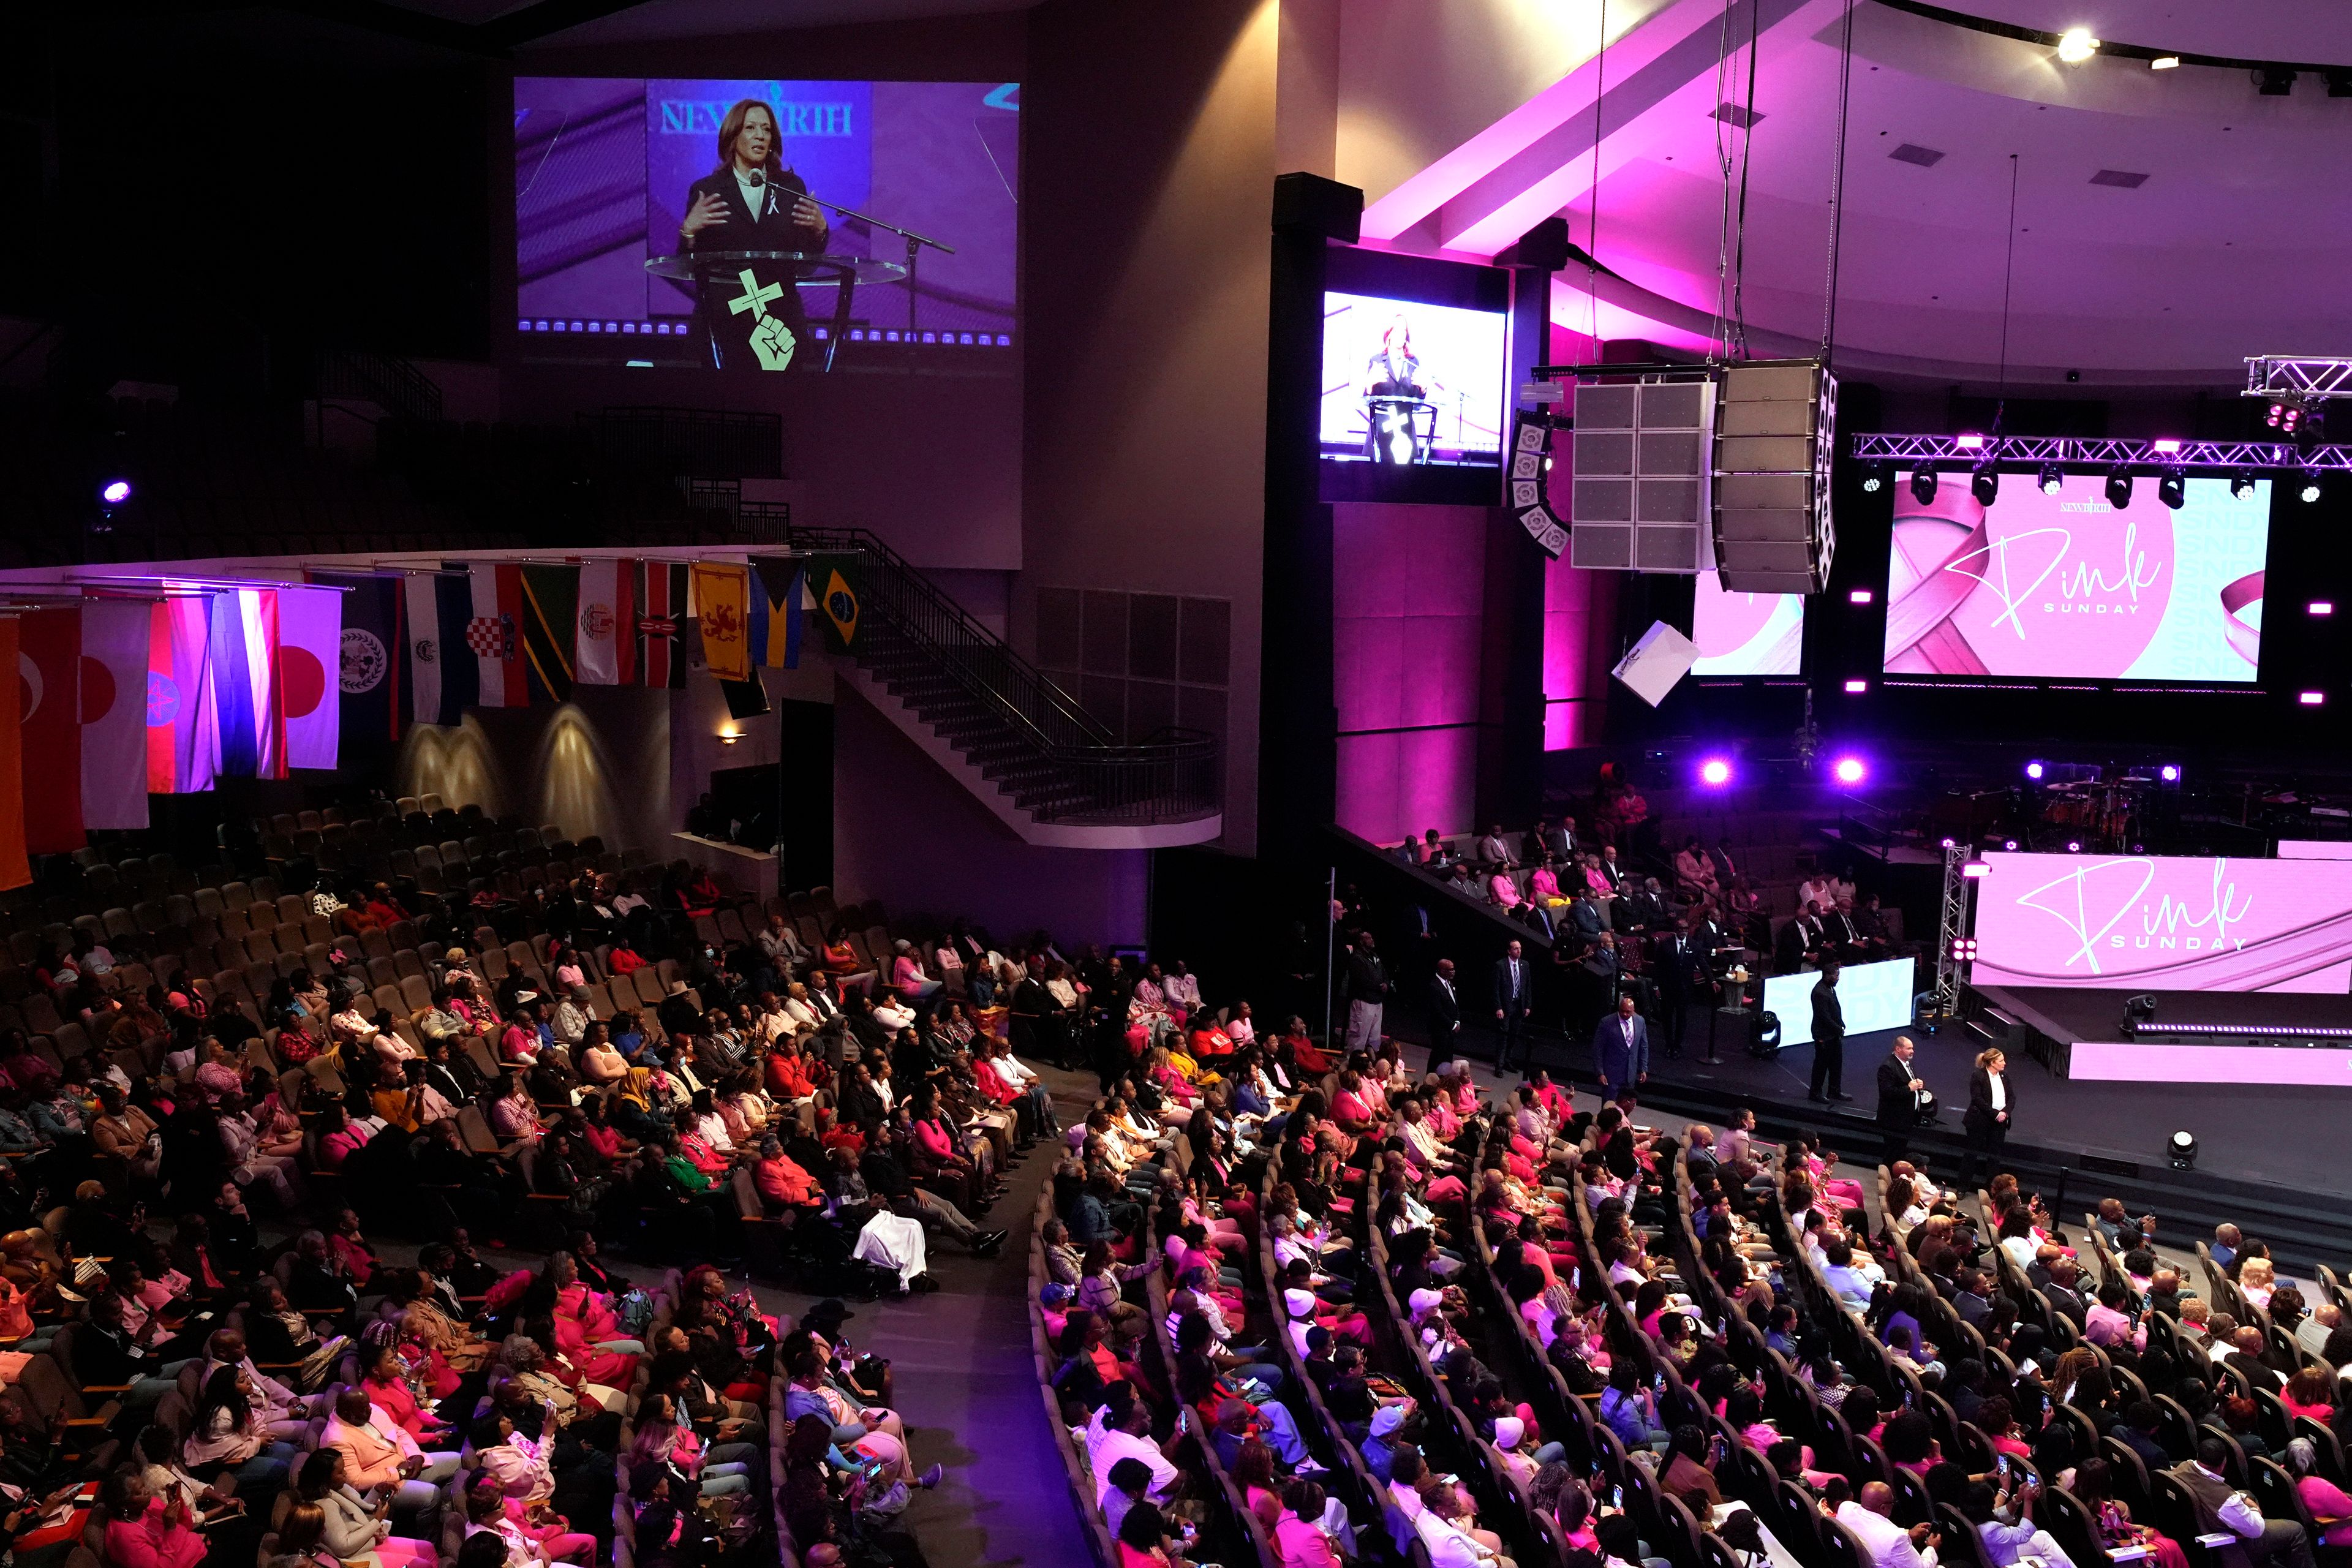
[967, 1385]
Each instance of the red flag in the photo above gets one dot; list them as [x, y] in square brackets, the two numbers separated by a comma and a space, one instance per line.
[48, 663]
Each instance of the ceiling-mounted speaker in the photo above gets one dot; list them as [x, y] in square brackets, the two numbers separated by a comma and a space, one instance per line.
[1642, 455]
[1775, 434]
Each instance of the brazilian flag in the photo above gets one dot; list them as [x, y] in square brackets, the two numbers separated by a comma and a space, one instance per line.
[834, 579]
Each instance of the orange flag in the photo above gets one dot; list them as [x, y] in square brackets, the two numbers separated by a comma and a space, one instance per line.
[15, 872]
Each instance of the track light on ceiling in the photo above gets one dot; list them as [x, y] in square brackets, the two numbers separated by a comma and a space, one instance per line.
[2274, 81]
[1984, 483]
[2171, 488]
[2242, 484]
[2309, 491]
[2076, 45]
[1923, 485]
[1873, 478]
[2050, 479]
[2119, 486]
[2165, 63]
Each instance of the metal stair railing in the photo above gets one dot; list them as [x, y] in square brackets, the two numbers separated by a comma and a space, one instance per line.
[394, 385]
[1169, 775]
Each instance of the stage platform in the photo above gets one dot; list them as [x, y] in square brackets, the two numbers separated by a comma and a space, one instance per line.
[2268, 1158]
[2078, 1035]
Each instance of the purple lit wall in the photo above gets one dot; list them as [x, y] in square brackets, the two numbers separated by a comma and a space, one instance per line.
[1406, 592]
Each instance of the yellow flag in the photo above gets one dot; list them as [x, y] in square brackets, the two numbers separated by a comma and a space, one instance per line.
[722, 604]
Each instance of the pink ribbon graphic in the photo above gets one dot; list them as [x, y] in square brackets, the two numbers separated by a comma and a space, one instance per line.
[1920, 637]
[2245, 640]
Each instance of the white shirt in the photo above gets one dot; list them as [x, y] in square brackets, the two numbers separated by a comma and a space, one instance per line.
[755, 197]
[893, 1018]
[2238, 1511]
[1448, 1547]
[1889, 1543]
[2000, 1090]
[1116, 1445]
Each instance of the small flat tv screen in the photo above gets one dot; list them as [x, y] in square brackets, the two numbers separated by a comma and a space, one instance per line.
[1415, 359]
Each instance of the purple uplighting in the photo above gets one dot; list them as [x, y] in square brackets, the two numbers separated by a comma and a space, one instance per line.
[2033, 770]
[2312, 698]
[2169, 772]
[1856, 687]
[1858, 596]
[114, 492]
[1968, 443]
[1850, 770]
[1714, 772]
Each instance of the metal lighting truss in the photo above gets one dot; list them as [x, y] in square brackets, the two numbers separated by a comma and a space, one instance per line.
[1950, 928]
[2068, 450]
[2307, 378]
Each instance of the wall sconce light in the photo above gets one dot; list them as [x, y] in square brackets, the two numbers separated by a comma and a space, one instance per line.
[729, 737]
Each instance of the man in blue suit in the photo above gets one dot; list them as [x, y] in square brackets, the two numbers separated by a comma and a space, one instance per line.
[1620, 1051]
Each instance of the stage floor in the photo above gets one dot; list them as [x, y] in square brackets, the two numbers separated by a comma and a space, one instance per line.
[2292, 1137]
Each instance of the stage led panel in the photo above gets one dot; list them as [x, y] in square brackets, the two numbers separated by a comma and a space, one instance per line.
[2065, 587]
[2142, 922]
[606, 170]
[1746, 633]
[1411, 400]
[1871, 996]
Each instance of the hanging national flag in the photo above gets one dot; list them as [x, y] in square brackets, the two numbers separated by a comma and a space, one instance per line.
[551, 603]
[662, 623]
[309, 659]
[604, 651]
[723, 607]
[776, 640]
[15, 869]
[367, 672]
[48, 661]
[115, 634]
[183, 726]
[443, 673]
[495, 634]
[247, 715]
[840, 603]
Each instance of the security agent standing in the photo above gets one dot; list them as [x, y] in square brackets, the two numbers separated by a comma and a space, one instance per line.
[1513, 992]
[1899, 1098]
[1828, 1039]
[1444, 1014]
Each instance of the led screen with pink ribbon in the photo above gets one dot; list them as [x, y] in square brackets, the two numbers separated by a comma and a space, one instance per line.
[2064, 585]
[1746, 633]
[2163, 922]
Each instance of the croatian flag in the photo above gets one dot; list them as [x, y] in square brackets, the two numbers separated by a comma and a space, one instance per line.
[494, 634]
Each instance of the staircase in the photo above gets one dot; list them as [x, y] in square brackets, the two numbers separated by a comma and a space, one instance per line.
[1023, 747]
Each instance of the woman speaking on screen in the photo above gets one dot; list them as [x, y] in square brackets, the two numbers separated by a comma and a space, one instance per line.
[749, 315]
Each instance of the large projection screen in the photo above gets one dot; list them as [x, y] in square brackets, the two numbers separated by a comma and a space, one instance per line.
[2165, 923]
[2065, 587]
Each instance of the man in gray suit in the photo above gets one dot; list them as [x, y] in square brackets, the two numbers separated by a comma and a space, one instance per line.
[1620, 1051]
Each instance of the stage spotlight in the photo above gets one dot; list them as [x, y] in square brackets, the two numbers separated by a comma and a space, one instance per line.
[2165, 63]
[1873, 478]
[1951, 843]
[2074, 847]
[2271, 81]
[2169, 772]
[1856, 687]
[2138, 1011]
[1985, 483]
[2172, 488]
[2119, 486]
[1977, 869]
[1964, 948]
[2307, 488]
[114, 492]
[2076, 45]
[2180, 1150]
[2320, 607]
[1923, 485]
[2009, 843]
[2050, 479]
[1850, 770]
[2033, 770]
[2242, 484]
[1714, 772]
[2311, 699]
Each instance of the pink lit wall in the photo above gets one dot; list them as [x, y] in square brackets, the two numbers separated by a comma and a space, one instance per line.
[1580, 618]
[1406, 594]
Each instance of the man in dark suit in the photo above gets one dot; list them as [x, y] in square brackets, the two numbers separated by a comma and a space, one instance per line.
[2247, 1357]
[1898, 1097]
[1829, 1040]
[1799, 943]
[1841, 937]
[1610, 870]
[1583, 928]
[1620, 1051]
[1444, 1014]
[1514, 990]
[1674, 964]
[748, 315]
